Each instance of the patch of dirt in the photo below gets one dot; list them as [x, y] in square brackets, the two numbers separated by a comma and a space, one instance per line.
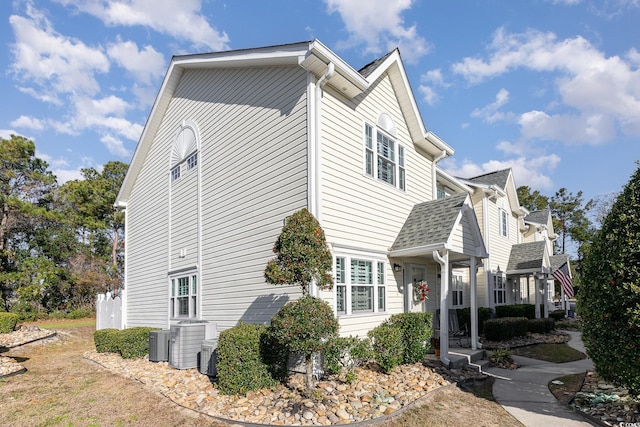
[565, 388]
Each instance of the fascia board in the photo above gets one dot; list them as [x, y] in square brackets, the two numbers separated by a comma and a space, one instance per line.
[417, 251]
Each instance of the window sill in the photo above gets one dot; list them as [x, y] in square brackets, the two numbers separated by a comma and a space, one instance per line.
[361, 314]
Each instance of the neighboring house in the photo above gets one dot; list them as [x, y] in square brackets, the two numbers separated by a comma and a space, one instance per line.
[237, 141]
[520, 243]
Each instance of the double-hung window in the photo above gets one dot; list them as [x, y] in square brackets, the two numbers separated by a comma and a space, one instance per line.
[504, 223]
[385, 161]
[360, 285]
[457, 287]
[499, 289]
[184, 296]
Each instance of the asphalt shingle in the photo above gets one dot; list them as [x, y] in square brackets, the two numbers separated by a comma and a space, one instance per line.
[526, 256]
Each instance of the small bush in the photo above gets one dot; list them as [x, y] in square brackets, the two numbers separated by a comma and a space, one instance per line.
[416, 330]
[107, 340]
[134, 342]
[241, 367]
[505, 328]
[540, 326]
[388, 345]
[8, 322]
[501, 357]
[569, 325]
[557, 315]
[346, 353]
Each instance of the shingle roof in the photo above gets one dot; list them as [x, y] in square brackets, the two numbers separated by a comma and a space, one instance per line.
[539, 217]
[526, 256]
[430, 222]
[370, 67]
[498, 178]
[558, 260]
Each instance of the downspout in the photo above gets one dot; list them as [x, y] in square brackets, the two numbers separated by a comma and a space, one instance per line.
[444, 307]
[436, 159]
[315, 153]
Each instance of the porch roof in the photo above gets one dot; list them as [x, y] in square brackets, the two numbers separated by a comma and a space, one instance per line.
[558, 260]
[538, 217]
[527, 258]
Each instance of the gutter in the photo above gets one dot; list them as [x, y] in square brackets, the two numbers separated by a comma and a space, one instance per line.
[442, 155]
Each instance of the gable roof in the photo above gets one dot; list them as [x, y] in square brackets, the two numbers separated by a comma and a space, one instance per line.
[528, 258]
[538, 217]
[558, 260]
[499, 178]
[312, 56]
[430, 226]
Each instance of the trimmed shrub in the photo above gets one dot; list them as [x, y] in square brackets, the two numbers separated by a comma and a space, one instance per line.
[505, 328]
[303, 326]
[416, 330]
[8, 322]
[464, 316]
[241, 367]
[107, 340]
[557, 315]
[133, 343]
[388, 345]
[516, 310]
[540, 326]
[346, 353]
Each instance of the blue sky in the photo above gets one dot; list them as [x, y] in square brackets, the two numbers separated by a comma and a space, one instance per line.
[550, 88]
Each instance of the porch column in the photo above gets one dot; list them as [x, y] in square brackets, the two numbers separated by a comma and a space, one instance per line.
[443, 260]
[537, 296]
[473, 274]
[546, 295]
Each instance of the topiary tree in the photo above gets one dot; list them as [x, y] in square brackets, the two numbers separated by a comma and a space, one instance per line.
[302, 254]
[303, 326]
[609, 295]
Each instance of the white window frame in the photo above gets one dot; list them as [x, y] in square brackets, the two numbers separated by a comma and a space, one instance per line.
[503, 223]
[499, 288]
[374, 154]
[457, 290]
[178, 296]
[346, 283]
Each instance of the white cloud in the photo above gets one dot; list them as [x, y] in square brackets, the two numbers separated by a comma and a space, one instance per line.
[432, 78]
[531, 171]
[6, 133]
[58, 163]
[597, 95]
[26, 122]
[489, 113]
[380, 26]
[429, 94]
[146, 65]
[115, 146]
[183, 20]
[51, 61]
[566, 2]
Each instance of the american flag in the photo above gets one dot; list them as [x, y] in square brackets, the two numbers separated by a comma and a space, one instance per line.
[563, 275]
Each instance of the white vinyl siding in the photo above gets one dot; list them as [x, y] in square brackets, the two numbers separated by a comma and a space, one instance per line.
[252, 162]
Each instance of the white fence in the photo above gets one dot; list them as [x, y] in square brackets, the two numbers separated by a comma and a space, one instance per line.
[109, 311]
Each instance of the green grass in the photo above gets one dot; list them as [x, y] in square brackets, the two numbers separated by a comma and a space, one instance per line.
[65, 323]
[556, 353]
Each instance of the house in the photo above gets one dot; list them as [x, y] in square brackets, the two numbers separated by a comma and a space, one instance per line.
[237, 141]
[520, 242]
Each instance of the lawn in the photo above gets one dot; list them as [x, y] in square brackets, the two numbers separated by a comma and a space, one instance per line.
[556, 353]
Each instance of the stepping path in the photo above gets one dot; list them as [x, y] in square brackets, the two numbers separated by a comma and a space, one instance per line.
[524, 392]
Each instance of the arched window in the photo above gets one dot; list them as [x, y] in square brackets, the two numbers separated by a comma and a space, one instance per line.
[184, 151]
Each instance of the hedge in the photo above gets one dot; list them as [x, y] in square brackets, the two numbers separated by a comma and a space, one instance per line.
[505, 328]
[541, 326]
[132, 343]
[8, 322]
[557, 315]
[516, 310]
[241, 365]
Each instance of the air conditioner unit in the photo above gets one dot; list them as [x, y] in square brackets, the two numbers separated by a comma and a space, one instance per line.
[209, 357]
[186, 339]
[159, 345]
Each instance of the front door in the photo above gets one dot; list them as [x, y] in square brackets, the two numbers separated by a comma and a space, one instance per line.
[416, 273]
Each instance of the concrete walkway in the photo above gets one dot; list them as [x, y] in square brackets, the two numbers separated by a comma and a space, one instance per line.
[524, 392]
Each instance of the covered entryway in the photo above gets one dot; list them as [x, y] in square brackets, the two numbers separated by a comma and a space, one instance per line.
[439, 235]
